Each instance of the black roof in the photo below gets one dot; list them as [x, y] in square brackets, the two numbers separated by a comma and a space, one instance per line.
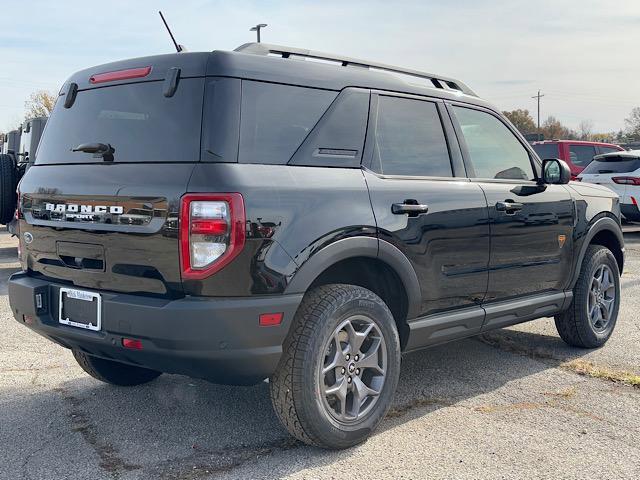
[256, 62]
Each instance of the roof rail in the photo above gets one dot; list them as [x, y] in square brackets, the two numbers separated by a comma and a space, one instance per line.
[438, 81]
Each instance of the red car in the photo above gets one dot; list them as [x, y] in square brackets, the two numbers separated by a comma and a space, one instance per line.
[576, 153]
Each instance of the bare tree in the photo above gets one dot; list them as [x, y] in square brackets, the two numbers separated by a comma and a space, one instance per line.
[585, 130]
[632, 124]
[552, 128]
[39, 104]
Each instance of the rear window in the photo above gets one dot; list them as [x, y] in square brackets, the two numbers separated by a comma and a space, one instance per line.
[137, 120]
[275, 120]
[613, 165]
[546, 150]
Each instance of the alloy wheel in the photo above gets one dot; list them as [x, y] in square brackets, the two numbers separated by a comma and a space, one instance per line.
[602, 298]
[353, 369]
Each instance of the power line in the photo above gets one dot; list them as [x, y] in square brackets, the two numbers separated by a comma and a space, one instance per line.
[539, 96]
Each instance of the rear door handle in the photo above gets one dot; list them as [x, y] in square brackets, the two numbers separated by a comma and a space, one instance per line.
[412, 207]
[509, 206]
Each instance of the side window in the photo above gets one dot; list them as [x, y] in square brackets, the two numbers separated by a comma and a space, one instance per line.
[275, 120]
[495, 151]
[409, 139]
[546, 150]
[581, 155]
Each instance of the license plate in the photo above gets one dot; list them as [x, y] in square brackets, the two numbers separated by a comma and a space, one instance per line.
[81, 309]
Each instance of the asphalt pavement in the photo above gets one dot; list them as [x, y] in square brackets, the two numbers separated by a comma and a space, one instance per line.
[514, 404]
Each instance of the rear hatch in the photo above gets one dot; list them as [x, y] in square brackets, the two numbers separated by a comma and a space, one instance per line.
[108, 219]
[615, 171]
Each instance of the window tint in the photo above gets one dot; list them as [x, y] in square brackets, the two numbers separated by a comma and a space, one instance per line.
[275, 119]
[613, 165]
[137, 120]
[495, 151]
[581, 155]
[409, 139]
[546, 150]
[608, 149]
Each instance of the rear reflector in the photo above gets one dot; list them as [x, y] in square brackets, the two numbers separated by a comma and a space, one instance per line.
[626, 180]
[120, 75]
[635, 202]
[209, 227]
[132, 343]
[270, 319]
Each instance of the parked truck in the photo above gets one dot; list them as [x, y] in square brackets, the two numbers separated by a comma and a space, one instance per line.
[18, 153]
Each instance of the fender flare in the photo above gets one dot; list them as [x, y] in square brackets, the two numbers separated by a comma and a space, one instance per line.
[360, 247]
[603, 223]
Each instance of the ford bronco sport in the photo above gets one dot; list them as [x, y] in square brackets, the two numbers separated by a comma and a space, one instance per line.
[237, 216]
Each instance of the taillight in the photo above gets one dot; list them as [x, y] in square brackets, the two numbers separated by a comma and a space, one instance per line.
[627, 180]
[212, 232]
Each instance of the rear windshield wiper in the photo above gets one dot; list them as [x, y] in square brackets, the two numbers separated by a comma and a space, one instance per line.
[103, 150]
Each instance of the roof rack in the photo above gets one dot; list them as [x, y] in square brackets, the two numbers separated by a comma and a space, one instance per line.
[438, 81]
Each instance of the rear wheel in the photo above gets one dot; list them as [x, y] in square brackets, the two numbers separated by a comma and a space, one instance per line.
[8, 183]
[592, 316]
[339, 369]
[115, 373]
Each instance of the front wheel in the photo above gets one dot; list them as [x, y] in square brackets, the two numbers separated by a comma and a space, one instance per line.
[592, 316]
[339, 368]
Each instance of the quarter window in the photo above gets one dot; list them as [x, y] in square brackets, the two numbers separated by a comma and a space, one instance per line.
[275, 119]
[608, 149]
[409, 139]
[494, 150]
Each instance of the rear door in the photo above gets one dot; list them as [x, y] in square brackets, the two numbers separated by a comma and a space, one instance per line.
[531, 227]
[112, 223]
[581, 155]
[425, 205]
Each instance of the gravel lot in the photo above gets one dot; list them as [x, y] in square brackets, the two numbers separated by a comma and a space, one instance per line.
[516, 403]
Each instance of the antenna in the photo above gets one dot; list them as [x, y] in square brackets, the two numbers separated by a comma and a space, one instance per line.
[179, 48]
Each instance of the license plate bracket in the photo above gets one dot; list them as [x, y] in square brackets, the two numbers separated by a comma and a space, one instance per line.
[81, 309]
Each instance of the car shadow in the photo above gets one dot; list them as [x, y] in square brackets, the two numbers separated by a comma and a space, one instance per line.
[177, 426]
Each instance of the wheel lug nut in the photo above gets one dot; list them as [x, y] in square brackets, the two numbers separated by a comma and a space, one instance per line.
[342, 370]
[356, 358]
[349, 380]
[357, 371]
[348, 357]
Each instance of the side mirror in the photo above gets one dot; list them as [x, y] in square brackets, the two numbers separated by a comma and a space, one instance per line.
[555, 172]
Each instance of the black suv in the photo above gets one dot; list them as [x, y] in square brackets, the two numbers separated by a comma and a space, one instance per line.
[280, 213]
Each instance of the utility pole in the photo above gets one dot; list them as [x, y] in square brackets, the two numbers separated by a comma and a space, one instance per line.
[539, 96]
[257, 29]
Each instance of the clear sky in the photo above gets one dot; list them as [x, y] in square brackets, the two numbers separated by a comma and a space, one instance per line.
[582, 54]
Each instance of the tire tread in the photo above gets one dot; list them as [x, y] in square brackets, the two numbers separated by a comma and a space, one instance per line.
[572, 324]
[289, 378]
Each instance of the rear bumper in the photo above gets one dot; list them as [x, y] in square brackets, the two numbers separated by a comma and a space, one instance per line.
[630, 211]
[218, 339]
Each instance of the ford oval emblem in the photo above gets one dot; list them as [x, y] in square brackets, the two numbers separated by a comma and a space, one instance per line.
[28, 238]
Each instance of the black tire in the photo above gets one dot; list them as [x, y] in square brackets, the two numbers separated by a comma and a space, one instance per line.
[296, 386]
[115, 373]
[574, 325]
[8, 184]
